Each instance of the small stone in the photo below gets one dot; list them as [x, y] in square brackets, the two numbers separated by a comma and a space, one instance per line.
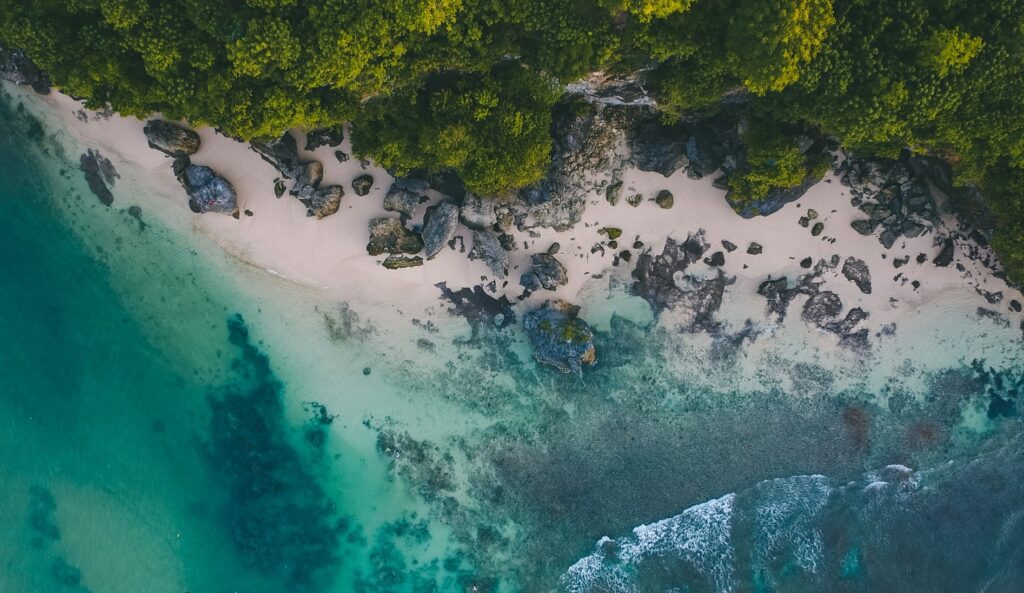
[864, 227]
[1015, 306]
[279, 188]
[806, 262]
[812, 214]
[729, 245]
[634, 200]
[398, 262]
[755, 249]
[613, 244]
[554, 248]
[613, 192]
[638, 244]
[248, 212]
[362, 185]
[366, 371]
[817, 229]
[664, 199]
[717, 259]
[805, 222]
[611, 232]
[341, 156]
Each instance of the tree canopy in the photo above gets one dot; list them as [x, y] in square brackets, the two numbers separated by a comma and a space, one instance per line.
[468, 85]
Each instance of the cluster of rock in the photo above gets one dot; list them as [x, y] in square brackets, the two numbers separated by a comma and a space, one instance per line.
[306, 176]
[895, 199]
[822, 308]
[671, 280]
[207, 190]
[17, 68]
[559, 337]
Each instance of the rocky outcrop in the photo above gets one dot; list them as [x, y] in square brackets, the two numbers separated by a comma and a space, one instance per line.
[99, 174]
[698, 145]
[487, 247]
[478, 213]
[856, 271]
[208, 191]
[16, 67]
[439, 226]
[405, 196]
[547, 273]
[171, 139]
[560, 339]
[389, 235]
[773, 201]
[671, 281]
[896, 200]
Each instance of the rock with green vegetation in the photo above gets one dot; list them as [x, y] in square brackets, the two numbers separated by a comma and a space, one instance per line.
[398, 262]
[171, 139]
[612, 233]
[389, 235]
[560, 339]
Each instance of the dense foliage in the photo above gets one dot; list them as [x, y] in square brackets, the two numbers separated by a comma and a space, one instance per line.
[467, 85]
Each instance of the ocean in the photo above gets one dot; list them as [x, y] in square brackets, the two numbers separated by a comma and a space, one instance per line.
[175, 420]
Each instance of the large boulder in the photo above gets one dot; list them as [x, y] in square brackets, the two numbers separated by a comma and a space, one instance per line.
[282, 153]
[323, 201]
[405, 196]
[439, 225]
[389, 235]
[208, 191]
[478, 213]
[559, 338]
[171, 139]
[487, 247]
[547, 273]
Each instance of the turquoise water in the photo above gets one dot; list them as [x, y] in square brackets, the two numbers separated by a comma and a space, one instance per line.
[172, 420]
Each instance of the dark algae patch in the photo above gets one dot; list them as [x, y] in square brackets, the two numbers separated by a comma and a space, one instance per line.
[281, 521]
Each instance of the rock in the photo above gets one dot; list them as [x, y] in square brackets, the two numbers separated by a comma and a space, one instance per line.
[282, 153]
[312, 173]
[729, 245]
[341, 156]
[804, 221]
[717, 259]
[610, 231]
[362, 184]
[887, 238]
[324, 137]
[945, 256]
[856, 271]
[439, 226]
[559, 338]
[171, 139]
[506, 215]
[755, 249]
[99, 174]
[324, 201]
[389, 235]
[864, 227]
[17, 68]
[821, 308]
[1015, 306]
[657, 147]
[817, 228]
[208, 191]
[635, 200]
[667, 281]
[280, 188]
[487, 247]
[613, 192]
[398, 262]
[508, 242]
[405, 196]
[477, 213]
[806, 262]
[664, 199]
[554, 248]
[547, 273]
[812, 214]
[179, 164]
[478, 307]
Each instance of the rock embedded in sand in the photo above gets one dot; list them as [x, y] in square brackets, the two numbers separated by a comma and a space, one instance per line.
[613, 192]
[755, 248]
[559, 338]
[817, 229]
[389, 235]
[171, 139]
[856, 271]
[729, 245]
[487, 247]
[612, 232]
[362, 185]
[439, 226]
[547, 273]
[322, 202]
[945, 256]
[664, 199]
[208, 191]
[405, 195]
[634, 200]
[398, 262]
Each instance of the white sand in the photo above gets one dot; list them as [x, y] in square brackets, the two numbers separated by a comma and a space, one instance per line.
[330, 254]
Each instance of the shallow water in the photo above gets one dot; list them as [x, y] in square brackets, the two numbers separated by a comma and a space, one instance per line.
[173, 420]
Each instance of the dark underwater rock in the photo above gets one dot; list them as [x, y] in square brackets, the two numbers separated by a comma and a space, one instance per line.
[478, 307]
[99, 174]
[559, 338]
